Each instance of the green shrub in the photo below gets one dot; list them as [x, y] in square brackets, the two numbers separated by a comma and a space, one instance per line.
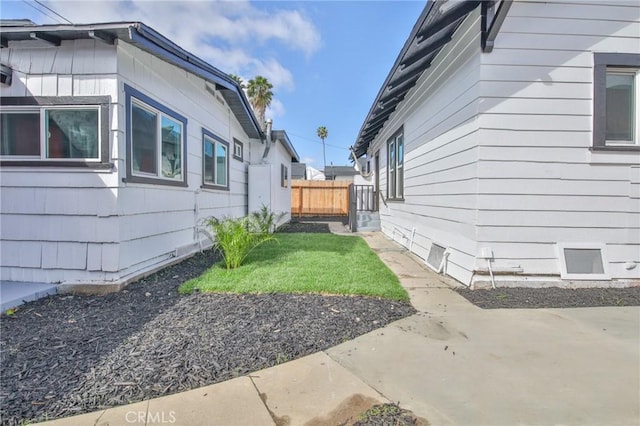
[265, 221]
[235, 239]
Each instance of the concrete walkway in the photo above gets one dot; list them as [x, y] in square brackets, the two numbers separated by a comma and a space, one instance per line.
[451, 364]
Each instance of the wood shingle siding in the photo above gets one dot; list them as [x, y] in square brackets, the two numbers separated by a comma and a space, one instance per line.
[79, 226]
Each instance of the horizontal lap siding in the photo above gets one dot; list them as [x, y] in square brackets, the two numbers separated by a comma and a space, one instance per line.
[60, 224]
[440, 136]
[539, 183]
[157, 220]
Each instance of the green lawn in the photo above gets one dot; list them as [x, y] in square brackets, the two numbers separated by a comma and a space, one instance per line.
[305, 263]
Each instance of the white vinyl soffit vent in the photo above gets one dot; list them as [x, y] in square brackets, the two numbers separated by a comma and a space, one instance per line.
[583, 262]
[436, 254]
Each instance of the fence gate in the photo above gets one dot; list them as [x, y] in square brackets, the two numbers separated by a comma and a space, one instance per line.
[319, 198]
[362, 198]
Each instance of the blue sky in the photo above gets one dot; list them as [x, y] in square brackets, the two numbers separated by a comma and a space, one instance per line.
[326, 59]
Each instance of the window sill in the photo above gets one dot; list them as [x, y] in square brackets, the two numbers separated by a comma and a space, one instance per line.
[238, 158]
[615, 148]
[214, 187]
[622, 155]
[56, 164]
[152, 181]
[395, 200]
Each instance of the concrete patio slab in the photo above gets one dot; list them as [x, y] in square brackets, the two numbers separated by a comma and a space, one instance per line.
[14, 293]
[505, 367]
[314, 390]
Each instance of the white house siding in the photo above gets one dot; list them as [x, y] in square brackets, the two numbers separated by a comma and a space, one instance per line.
[281, 195]
[539, 184]
[156, 220]
[77, 226]
[59, 224]
[440, 169]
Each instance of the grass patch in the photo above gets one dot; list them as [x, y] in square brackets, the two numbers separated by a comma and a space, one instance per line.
[305, 263]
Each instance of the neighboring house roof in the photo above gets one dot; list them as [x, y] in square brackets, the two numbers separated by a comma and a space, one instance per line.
[145, 38]
[332, 171]
[433, 30]
[298, 171]
[281, 135]
[314, 174]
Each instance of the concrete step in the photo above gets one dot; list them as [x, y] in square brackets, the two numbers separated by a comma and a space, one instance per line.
[368, 221]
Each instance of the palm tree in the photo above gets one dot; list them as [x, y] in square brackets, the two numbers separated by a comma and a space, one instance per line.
[260, 95]
[322, 134]
[238, 80]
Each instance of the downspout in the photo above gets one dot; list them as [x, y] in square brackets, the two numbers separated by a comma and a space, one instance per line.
[357, 165]
[267, 132]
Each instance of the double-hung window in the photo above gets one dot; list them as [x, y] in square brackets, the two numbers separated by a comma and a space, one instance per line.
[616, 121]
[395, 166]
[215, 163]
[155, 141]
[69, 131]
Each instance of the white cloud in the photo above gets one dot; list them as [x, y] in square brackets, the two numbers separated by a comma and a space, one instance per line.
[231, 35]
[307, 160]
[275, 110]
[279, 76]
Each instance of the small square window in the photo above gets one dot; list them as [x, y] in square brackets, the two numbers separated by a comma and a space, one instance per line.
[238, 150]
[582, 261]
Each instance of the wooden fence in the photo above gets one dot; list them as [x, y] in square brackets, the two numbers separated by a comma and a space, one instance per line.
[319, 198]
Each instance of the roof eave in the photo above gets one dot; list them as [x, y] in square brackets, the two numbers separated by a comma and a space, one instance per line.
[146, 38]
[443, 22]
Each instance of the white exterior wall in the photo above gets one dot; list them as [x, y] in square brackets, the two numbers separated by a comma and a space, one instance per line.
[157, 220]
[497, 149]
[440, 161]
[60, 224]
[78, 226]
[281, 202]
[265, 182]
[539, 184]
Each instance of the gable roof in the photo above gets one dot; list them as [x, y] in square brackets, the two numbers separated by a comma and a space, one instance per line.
[434, 28]
[281, 135]
[149, 40]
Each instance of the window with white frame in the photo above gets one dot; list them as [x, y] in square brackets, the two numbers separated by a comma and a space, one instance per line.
[155, 141]
[395, 166]
[583, 261]
[616, 118]
[54, 130]
[215, 166]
